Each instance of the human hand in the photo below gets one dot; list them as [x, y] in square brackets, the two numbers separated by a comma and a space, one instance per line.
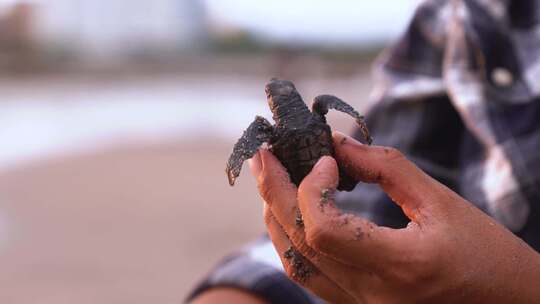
[450, 252]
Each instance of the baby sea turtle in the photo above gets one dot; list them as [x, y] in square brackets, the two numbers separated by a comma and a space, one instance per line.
[299, 137]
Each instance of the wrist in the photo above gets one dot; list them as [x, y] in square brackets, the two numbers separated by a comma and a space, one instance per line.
[525, 285]
[518, 281]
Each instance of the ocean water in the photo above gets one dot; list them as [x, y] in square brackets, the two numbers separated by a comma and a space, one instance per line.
[38, 125]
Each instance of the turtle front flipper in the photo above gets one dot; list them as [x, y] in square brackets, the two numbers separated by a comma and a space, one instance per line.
[258, 132]
[322, 103]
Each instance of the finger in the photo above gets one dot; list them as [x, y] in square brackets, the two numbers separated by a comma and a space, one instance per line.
[281, 196]
[300, 269]
[255, 165]
[417, 193]
[277, 190]
[344, 237]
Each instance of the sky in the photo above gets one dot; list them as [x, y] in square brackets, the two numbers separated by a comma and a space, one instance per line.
[336, 21]
[340, 21]
[58, 120]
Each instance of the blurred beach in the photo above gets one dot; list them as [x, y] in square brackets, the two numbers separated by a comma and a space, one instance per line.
[114, 191]
[117, 119]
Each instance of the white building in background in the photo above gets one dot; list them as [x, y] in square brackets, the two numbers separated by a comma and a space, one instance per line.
[116, 27]
[107, 28]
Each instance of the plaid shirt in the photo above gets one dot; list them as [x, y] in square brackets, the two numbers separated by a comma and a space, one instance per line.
[459, 95]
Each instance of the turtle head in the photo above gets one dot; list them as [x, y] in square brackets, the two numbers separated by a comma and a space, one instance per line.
[279, 92]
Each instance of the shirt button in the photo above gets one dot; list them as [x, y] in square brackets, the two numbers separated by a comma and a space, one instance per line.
[502, 77]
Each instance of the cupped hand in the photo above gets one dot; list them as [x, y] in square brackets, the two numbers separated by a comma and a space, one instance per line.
[450, 252]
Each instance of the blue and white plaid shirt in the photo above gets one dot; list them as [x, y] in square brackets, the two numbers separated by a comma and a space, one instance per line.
[459, 94]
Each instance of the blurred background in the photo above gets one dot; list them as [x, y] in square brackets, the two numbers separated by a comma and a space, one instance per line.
[117, 118]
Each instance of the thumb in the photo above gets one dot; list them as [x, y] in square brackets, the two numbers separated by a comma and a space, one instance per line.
[342, 235]
[413, 190]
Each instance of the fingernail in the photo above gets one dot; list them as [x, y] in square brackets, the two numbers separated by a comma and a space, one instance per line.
[255, 165]
[342, 139]
[320, 162]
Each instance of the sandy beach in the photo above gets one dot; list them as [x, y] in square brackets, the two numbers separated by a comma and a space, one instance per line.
[127, 221]
[126, 225]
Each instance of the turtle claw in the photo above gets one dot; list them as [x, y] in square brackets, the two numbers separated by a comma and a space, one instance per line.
[230, 176]
[322, 103]
[258, 132]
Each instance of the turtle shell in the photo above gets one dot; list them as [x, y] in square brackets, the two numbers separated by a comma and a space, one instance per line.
[299, 149]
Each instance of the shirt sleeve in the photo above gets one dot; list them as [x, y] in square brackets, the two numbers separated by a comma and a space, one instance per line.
[256, 269]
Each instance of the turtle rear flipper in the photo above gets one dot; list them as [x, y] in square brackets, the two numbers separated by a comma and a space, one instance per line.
[258, 132]
[322, 103]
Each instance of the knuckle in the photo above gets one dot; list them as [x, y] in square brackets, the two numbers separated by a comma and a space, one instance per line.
[304, 248]
[393, 154]
[414, 268]
[307, 251]
[412, 276]
[298, 239]
[318, 237]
